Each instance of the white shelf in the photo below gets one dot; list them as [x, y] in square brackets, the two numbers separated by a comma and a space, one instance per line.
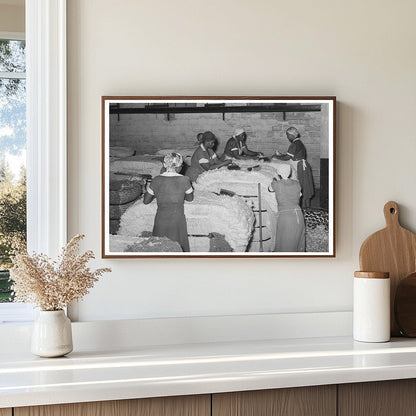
[151, 371]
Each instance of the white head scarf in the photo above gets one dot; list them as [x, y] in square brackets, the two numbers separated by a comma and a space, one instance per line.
[284, 170]
[293, 131]
[172, 161]
[239, 131]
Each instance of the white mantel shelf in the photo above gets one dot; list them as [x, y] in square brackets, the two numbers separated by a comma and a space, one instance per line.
[167, 370]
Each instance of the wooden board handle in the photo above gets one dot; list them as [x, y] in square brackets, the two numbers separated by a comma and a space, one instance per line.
[391, 214]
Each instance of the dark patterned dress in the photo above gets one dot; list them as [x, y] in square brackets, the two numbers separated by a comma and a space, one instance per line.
[290, 230]
[200, 156]
[297, 152]
[169, 190]
[234, 145]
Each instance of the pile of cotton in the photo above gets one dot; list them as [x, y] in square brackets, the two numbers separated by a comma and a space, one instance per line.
[245, 184]
[242, 182]
[128, 244]
[124, 190]
[206, 214]
[118, 152]
[138, 165]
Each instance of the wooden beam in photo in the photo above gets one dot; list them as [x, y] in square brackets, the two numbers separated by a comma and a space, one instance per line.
[273, 108]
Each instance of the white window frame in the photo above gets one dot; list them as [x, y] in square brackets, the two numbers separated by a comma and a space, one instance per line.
[46, 134]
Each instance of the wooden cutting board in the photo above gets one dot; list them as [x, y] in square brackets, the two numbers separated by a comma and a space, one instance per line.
[393, 250]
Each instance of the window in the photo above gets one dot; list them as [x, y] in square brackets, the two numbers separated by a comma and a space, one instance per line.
[12, 165]
[12, 155]
[46, 135]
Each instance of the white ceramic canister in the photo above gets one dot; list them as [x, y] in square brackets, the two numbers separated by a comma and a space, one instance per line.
[371, 309]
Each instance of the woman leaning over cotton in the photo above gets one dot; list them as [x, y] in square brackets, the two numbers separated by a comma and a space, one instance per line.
[297, 154]
[170, 189]
[290, 229]
[204, 157]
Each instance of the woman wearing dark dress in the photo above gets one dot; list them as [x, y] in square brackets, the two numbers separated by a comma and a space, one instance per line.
[171, 190]
[290, 229]
[236, 147]
[204, 157]
[297, 153]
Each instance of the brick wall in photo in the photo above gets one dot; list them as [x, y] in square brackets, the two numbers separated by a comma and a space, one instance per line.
[148, 133]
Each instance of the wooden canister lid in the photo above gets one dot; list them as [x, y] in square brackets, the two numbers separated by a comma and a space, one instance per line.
[372, 275]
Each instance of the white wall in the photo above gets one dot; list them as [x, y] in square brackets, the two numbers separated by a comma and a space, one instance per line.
[360, 51]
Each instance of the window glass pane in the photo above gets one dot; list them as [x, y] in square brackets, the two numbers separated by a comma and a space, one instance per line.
[13, 122]
[12, 157]
[12, 56]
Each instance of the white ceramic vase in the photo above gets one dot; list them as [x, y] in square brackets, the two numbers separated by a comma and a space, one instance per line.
[52, 334]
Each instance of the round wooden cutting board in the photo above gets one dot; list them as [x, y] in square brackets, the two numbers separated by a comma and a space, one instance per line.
[393, 250]
[405, 306]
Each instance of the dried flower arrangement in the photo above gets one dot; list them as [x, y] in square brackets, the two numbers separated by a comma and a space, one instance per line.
[53, 285]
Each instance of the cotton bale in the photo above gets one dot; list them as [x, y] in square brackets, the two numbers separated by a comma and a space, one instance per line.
[138, 165]
[124, 189]
[207, 213]
[245, 184]
[129, 244]
[118, 152]
[116, 211]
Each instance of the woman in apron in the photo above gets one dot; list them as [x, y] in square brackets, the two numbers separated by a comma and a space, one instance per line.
[290, 228]
[297, 153]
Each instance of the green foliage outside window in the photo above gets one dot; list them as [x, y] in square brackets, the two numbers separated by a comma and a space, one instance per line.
[12, 224]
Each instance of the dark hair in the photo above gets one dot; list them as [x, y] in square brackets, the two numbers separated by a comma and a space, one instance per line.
[199, 137]
[207, 137]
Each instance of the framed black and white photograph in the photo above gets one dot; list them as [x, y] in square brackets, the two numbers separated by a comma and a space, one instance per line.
[218, 176]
